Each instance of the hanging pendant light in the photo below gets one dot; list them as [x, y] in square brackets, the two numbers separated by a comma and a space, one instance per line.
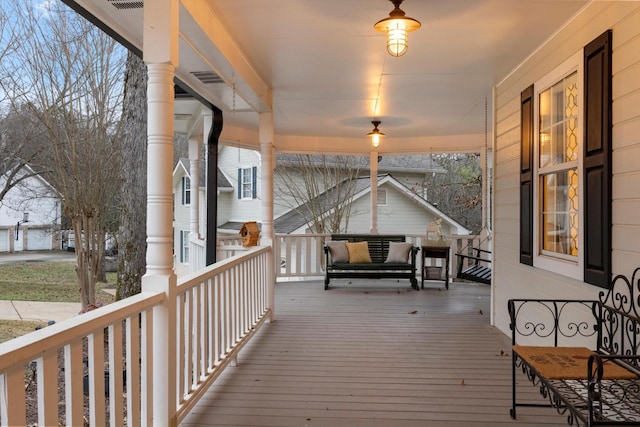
[375, 134]
[396, 26]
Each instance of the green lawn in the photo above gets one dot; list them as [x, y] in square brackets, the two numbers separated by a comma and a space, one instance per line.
[10, 329]
[46, 281]
[41, 281]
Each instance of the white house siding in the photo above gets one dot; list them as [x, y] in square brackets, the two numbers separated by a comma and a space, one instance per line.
[37, 198]
[400, 215]
[229, 160]
[512, 279]
[225, 199]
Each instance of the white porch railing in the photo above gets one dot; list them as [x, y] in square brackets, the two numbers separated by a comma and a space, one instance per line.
[198, 253]
[227, 246]
[301, 255]
[79, 345]
[217, 312]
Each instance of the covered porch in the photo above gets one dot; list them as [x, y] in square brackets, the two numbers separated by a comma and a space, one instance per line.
[364, 354]
[372, 353]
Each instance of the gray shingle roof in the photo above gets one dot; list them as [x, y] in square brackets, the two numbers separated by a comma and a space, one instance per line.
[421, 163]
[223, 182]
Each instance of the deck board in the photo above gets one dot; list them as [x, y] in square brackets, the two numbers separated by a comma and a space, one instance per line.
[376, 354]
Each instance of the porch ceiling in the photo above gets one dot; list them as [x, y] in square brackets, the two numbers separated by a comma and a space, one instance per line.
[325, 73]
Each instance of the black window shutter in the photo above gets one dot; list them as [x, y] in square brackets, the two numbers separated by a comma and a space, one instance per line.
[254, 182]
[239, 183]
[181, 246]
[526, 176]
[597, 161]
[183, 190]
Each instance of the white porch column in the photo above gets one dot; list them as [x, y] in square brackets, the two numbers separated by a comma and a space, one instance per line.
[194, 171]
[268, 233]
[194, 207]
[160, 55]
[373, 167]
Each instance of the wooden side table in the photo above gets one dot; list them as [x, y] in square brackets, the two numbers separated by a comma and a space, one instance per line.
[435, 252]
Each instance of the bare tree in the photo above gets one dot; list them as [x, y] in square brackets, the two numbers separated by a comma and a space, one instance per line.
[319, 188]
[71, 78]
[132, 237]
[19, 130]
[458, 193]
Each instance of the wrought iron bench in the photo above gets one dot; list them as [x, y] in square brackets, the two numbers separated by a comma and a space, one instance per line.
[379, 267]
[475, 267]
[598, 384]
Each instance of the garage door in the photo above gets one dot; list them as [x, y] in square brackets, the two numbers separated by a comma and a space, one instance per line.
[38, 240]
[4, 240]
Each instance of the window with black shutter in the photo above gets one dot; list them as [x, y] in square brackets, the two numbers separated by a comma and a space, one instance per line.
[565, 167]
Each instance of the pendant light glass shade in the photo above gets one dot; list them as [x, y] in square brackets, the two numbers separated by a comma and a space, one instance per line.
[397, 26]
[375, 134]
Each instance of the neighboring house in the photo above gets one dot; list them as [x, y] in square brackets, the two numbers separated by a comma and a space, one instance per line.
[399, 209]
[567, 145]
[402, 205]
[242, 168]
[412, 171]
[183, 196]
[35, 200]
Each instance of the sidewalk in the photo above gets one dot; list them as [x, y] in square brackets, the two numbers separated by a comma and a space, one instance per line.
[38, 310]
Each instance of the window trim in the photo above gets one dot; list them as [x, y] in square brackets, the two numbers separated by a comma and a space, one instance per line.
[565, 265]
[253, 182]
[382, 201]
[186, 192]
[184, 246]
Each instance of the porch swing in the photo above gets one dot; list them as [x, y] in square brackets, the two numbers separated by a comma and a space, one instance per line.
[475, 264]
[475, 267]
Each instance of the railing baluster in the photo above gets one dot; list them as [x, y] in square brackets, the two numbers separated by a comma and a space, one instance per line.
[47, 380]
[147, 368]
[96, 379]
[188, 343]
[73, 373]
[204, 334]
[133, 370]
[116, 407]
[12, 406]
[181, 345]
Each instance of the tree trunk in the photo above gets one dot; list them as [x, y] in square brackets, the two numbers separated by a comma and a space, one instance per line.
[132, 246]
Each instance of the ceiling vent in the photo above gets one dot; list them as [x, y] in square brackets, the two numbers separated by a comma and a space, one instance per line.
[122, 4]
[207, 77]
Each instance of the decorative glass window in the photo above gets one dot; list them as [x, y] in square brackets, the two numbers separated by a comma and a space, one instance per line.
[557, 166]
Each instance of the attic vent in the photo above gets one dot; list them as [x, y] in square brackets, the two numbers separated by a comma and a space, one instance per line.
[207, 77]
[120, 4]
[382, 197]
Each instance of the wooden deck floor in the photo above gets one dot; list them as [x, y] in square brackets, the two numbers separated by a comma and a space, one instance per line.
[375, 354]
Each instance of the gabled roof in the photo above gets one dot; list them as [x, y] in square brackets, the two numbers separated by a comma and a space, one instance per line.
[406, 191]
[183, 167]
[294, 219]
[27, 172]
